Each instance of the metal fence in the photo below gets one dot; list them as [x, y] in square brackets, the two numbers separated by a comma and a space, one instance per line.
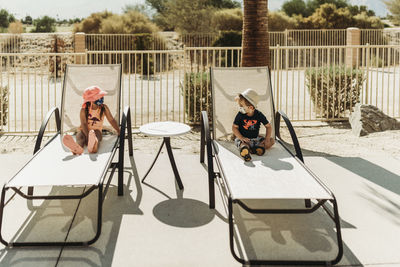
[118, 42]
[309, 83]
[64, 42]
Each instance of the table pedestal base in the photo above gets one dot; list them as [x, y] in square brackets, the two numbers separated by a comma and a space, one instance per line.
[167, 142]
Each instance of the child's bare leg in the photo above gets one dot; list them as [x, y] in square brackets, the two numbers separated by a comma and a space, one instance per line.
[269, 144]
[81, 139]
[99, 137]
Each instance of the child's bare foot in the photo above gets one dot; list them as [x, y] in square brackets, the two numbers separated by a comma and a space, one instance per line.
[92, 142]
[69, 142]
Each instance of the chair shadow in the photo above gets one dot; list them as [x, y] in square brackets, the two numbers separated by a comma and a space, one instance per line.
[70, 215]
[277, 237]
[373, 173]
[314, 237]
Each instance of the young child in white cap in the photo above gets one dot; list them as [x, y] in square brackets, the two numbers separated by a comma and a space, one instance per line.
[246, 126]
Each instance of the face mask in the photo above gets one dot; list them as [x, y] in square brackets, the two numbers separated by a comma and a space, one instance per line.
[242, 110]
[99, 101]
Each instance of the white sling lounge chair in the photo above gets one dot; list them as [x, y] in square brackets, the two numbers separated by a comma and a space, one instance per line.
[54, 165]
[265, 177]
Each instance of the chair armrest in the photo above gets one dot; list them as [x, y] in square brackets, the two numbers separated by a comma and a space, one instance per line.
[296, 144]
[39, 138]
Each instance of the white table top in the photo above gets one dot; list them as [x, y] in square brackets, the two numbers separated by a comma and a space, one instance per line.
[164, 128]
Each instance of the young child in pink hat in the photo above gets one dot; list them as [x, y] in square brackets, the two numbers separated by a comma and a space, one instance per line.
[92, 116]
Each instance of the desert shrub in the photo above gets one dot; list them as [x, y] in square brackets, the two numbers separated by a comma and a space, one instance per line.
[197, 95]
[130, 22]
[279, 21]
[15, 27]
[3, 105]
[228, 19]
[334, 90]
[92, 24]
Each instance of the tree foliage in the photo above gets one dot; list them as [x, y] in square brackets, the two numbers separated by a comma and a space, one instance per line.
[394, 8]
[44, 24]
[295, 7]
[308, 12]
[28, 20]
[187, 16]
[5, 18]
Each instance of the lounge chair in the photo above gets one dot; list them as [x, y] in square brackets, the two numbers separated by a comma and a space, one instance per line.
[54, 165]
[278, 175]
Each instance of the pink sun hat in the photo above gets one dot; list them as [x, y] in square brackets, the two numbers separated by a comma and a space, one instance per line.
[92, 93]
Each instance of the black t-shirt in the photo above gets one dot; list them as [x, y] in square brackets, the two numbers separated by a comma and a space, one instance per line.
[250, 126]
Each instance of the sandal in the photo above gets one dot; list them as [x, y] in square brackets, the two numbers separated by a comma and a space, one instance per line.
[69, 142]
[245, 153]
[260, 150]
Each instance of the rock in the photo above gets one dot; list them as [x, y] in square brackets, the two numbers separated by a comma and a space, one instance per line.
[369, 119]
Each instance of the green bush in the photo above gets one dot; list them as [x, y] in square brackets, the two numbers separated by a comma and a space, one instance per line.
[229, 58]
[44, 24]
[334, 90]
[228, 38]
[3, 105]
[197, 95]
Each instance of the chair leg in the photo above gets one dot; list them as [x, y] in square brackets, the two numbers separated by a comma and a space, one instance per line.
[3, 195]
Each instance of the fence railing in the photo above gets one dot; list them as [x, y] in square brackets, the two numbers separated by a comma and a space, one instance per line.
[65, 42]
[118, 42]
[309, 83]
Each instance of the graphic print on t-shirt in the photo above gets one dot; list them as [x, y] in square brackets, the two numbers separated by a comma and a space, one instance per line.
[249, 124]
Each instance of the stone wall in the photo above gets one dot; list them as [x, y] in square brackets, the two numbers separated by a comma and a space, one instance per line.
[45, 43]
[37, 43]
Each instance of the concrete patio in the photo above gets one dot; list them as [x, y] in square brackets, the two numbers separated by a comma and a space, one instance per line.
[154, 224]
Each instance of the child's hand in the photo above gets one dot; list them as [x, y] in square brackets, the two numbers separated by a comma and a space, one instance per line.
[246, 140]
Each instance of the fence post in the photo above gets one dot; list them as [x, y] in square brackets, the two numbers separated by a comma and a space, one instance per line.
[286, 37]
[367, 79]
[80, 47]
[352, 39]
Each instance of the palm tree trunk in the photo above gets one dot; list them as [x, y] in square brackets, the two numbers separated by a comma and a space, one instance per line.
[255, 41]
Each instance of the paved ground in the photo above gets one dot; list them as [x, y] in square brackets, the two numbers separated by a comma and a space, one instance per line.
[155, 224]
